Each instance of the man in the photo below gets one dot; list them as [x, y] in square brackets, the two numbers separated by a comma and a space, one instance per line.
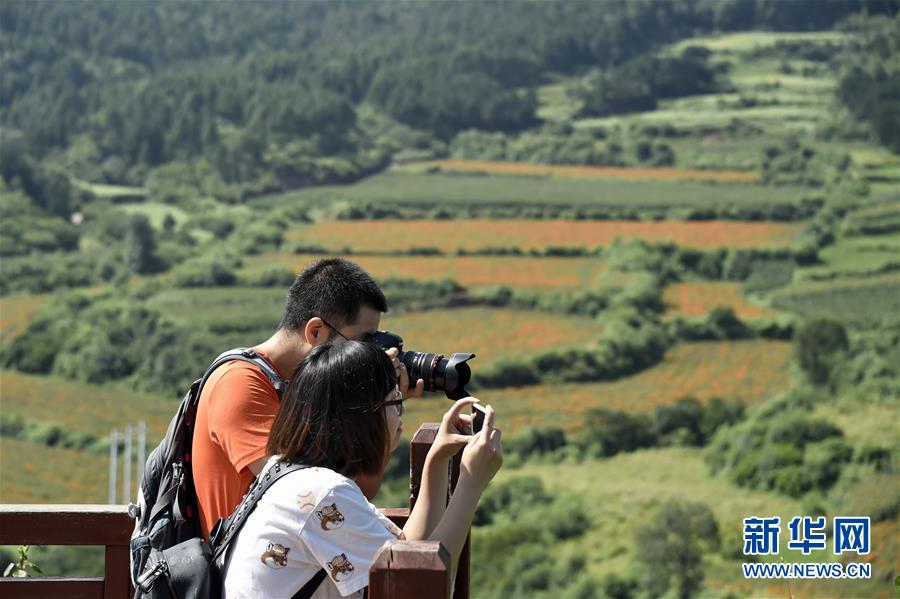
[331, 300]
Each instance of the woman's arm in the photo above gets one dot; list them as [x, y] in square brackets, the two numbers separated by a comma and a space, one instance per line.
[432, 499]
[481, 460]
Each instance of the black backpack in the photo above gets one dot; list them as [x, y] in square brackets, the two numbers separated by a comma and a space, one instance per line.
[166, 513]
[191, 569]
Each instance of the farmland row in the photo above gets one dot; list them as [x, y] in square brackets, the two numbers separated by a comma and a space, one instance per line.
[454, 194]
[480, 234]
[752, 371]
[592, 172]
[697, 298]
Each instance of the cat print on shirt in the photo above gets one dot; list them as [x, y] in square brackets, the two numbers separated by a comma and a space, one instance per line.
[331, 518]
[275, 556]
[339, 567]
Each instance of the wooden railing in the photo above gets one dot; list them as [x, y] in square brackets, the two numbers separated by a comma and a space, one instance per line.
[400, 570]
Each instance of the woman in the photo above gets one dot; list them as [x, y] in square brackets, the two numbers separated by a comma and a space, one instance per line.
[342, 415]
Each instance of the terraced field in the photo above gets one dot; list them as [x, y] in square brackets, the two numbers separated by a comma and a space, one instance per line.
[509, 333]
[81, 407]
[752, 371]
[398, 190]
[846, 299]
[16, 311]
[35, 473]
[697, 298]
[472, 235]
[547, 274]
[592, 172]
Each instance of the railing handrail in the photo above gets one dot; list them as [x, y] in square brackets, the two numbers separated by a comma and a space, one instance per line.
[400, 569]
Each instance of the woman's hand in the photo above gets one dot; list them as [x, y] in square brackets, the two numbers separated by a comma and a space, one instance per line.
[455, 430]
[483, 456]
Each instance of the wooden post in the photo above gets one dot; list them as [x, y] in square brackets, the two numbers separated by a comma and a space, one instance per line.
[418, 449]
[410, 570]
[461, 586]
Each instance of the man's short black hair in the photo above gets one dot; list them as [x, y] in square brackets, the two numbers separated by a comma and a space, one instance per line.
[334, 289]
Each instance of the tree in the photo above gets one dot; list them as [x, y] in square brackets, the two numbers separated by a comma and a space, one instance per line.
[140, 246]
[820, 346]
[670, 549]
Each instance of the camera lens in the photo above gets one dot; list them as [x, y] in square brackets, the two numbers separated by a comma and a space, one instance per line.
[439, 373]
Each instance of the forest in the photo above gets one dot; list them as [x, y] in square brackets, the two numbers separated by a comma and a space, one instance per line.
[669, 230]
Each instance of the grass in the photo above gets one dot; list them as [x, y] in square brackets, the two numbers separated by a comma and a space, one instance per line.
[538, 274]
[750, 370]
[156, 213]
[622, 493]
[751, 40]
[846, 299]
[697, 298]
[224, 308]
[112, 192]
[81, 407]
[471, 235]
[851, 255]
[397, 190]
[16, 311]
[35, 473]
[593, 172]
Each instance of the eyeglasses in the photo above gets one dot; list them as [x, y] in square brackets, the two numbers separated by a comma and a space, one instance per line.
[366, 336]
[334, 328]
[397, 401]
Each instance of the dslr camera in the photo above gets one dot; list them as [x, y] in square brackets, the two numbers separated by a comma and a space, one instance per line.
[439, 373]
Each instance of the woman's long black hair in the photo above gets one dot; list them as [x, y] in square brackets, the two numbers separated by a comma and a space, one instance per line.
[331, 414]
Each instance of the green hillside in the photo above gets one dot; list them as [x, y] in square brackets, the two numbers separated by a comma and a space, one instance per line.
[668, 230]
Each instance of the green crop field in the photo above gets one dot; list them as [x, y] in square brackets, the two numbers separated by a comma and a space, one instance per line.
[848, 299]
[442, 191]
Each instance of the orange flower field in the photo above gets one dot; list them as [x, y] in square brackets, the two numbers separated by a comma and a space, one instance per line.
[750, 370]
[596, 172]
[490, 333]
[698, 298]
[448, 236]
[469, 271]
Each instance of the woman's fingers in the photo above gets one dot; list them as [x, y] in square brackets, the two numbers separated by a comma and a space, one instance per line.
[454, 412]
[488, 419]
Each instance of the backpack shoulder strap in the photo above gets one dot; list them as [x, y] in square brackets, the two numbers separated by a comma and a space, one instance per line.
[246, 354]
[227, 529]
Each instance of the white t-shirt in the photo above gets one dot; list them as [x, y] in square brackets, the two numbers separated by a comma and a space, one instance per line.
[308, 520]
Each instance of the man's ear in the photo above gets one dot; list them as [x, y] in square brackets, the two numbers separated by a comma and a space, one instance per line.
[315, 331]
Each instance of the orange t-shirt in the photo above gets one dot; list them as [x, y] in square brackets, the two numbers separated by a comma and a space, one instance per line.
[234, 416]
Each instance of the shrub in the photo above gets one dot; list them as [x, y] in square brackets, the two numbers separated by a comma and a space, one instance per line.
[204, 272]
[820, 346]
